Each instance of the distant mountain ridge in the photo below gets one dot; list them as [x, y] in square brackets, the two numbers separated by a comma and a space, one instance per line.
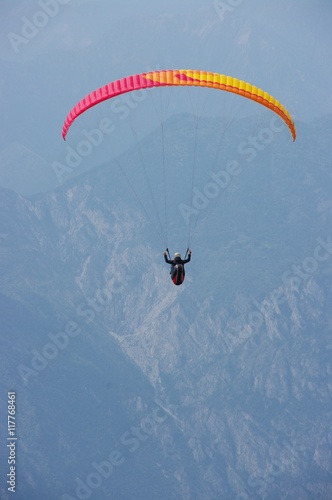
[236, 362]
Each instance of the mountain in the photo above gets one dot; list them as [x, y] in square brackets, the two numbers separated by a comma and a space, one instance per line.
[129, 387]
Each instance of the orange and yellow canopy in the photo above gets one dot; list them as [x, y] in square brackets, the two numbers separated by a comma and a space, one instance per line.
[183, 77]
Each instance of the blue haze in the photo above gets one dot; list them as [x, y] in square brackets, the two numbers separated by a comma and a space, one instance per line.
[128, 387]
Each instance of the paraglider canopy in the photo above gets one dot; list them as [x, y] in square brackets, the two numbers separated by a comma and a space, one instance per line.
[184, 77]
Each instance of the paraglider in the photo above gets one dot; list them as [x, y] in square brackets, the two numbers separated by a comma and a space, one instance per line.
[184, 77]
[177, 271]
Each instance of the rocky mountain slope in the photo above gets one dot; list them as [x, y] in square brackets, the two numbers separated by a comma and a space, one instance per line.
[130, 387]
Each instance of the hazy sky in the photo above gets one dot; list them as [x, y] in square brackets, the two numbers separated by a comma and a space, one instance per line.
[53, 52]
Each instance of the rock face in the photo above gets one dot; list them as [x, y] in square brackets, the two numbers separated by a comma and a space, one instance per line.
[129, 387]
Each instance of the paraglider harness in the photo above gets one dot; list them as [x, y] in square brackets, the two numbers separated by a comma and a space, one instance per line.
[177, 271]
